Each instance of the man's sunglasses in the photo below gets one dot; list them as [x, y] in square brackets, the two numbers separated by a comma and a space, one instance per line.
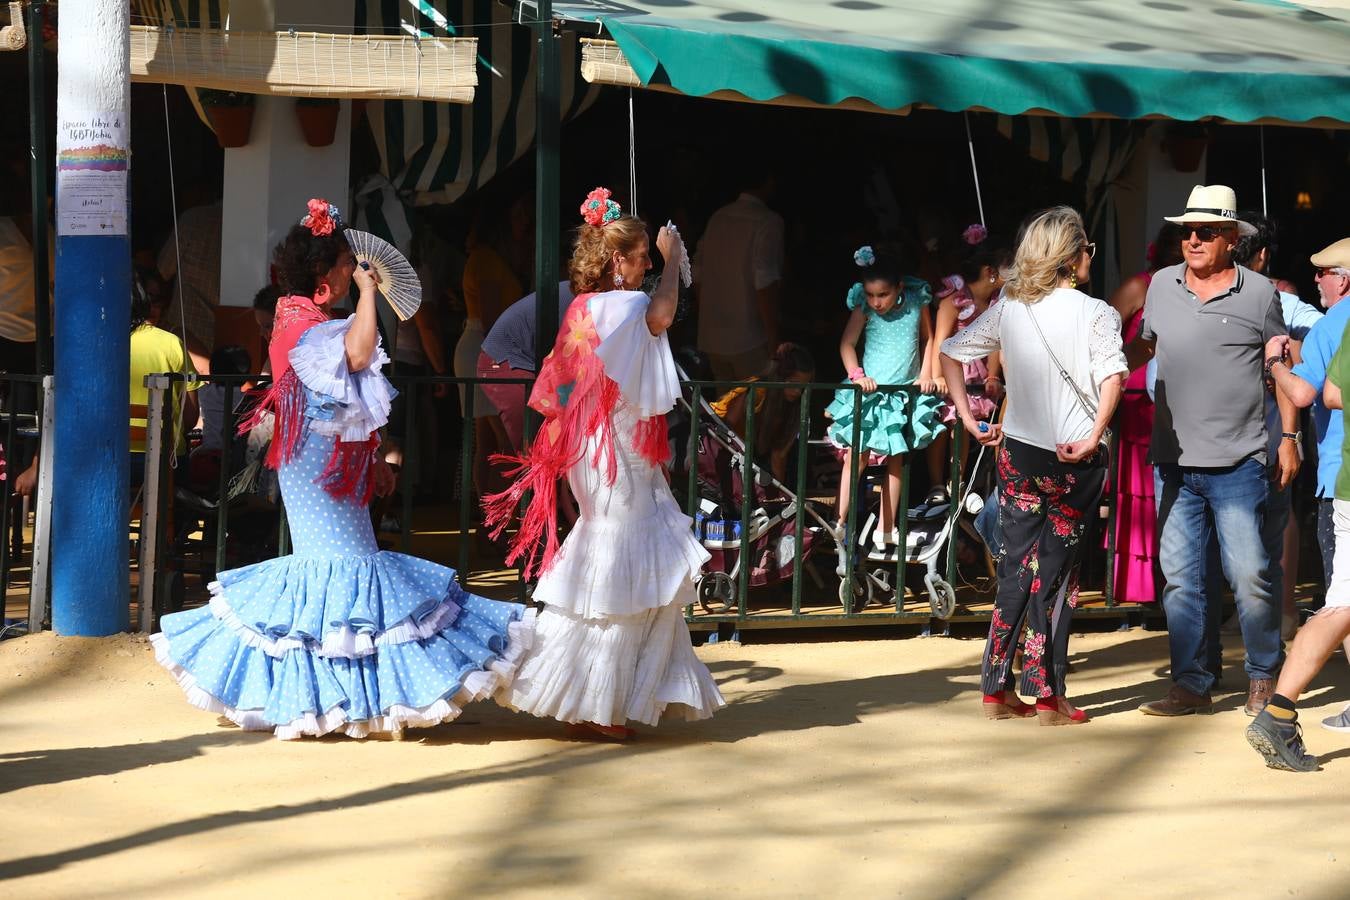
[1324, 272]
[1205, 233]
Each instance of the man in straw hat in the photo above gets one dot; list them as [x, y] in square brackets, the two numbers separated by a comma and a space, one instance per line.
[1209, 320]
[1275, 733]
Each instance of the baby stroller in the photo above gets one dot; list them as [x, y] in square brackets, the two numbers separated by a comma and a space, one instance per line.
[717, 518]
[932, 531]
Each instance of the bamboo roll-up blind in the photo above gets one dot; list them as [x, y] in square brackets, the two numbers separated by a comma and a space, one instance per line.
[307, 64]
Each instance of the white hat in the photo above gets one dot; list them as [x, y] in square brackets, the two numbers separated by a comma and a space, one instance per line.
[1212, 203]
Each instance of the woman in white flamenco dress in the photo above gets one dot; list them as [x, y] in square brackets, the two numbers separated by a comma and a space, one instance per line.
[611, 644]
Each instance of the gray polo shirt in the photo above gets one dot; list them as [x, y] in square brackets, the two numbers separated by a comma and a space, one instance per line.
[1210, 397]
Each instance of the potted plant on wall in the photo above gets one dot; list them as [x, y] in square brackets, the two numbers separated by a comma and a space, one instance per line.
[230, 113]
[318, 119]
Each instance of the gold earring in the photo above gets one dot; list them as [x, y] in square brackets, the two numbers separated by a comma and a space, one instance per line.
[1073, 280]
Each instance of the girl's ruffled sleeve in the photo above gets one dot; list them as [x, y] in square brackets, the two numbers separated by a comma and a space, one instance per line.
[855, 296]
[339, 402]
[917, 291]
[637, 360]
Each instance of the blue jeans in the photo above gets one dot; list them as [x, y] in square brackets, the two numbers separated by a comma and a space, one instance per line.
[1229, 504]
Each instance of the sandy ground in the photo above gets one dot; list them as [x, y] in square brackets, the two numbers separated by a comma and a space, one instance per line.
[850, 768]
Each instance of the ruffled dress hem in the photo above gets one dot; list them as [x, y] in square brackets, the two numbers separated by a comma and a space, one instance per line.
[639, 668]
[477, 685]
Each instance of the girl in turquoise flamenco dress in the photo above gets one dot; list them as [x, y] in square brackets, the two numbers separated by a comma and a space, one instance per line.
[889, 313]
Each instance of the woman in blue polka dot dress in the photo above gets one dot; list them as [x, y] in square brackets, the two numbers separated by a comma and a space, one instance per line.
[340, 636]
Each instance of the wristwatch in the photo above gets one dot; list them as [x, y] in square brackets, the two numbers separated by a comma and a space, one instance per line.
[1295, 436]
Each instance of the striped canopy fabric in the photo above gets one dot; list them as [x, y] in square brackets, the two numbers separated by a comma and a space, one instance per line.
[1236, 60]
[438, 153]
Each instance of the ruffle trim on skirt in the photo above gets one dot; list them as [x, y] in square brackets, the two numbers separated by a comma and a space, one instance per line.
[891, 423]
[348, 603]
[609, 671]
[342, 641]
[624, 567]
[302, 694]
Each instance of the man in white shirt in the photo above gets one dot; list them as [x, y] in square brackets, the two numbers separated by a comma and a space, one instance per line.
[740, 270]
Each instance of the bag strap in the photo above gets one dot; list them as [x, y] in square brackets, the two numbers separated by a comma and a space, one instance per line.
[1088, 406]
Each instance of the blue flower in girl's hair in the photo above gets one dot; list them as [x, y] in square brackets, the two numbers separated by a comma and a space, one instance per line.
[855, 296]
[864, 256]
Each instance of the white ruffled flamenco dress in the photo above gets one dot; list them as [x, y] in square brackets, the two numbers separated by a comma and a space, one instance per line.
[339, 636]
[611, 644]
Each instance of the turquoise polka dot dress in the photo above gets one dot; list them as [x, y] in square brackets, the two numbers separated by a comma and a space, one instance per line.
[340, 636]
[899, 421]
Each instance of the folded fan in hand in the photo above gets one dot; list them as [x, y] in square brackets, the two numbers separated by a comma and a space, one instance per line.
[398, 280]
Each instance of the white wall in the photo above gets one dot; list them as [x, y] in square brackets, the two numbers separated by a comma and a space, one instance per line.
[268, 182]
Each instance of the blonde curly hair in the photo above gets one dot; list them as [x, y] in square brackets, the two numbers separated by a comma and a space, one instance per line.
[1048, 250]
[593, 252]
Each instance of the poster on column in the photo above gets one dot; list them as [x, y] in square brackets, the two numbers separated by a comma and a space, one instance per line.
[92, 156]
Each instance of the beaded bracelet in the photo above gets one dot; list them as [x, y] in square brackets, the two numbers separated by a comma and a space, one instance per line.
[855, 373]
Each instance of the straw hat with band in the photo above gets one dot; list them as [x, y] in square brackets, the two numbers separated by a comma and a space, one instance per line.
[1212, 203]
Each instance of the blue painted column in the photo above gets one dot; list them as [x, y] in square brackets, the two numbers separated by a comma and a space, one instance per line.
[90, 578]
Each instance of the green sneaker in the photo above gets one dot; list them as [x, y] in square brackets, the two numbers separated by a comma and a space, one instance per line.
[1281, 743]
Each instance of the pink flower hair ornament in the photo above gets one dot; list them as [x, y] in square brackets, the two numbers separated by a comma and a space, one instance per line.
[322, 218]
[975, 234]
[598, 210]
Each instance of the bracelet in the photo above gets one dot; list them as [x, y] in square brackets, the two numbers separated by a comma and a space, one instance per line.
[855, 373]
[993, 378]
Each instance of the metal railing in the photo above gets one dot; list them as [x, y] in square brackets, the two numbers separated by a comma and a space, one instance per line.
[26, 410]
[726, 598]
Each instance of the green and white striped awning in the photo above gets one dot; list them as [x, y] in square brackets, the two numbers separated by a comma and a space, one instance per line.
[436, 152]
[1233, 60]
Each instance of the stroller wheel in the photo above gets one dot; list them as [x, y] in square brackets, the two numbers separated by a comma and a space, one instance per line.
[716, 593]
[942, 596]
[862, 594]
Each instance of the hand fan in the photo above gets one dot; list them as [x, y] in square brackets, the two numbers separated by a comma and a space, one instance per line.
[398, 282]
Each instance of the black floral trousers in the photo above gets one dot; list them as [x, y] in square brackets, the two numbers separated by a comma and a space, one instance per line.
[1043, 509]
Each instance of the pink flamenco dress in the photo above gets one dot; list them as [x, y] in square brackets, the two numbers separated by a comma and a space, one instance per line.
[611, 643]
[1136, 513]
[977, 370]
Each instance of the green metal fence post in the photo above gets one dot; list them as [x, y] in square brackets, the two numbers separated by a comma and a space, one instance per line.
[851, 527]
[465, 483]
[410, 461]
[748, 484]
[799, 520]
[223, 480]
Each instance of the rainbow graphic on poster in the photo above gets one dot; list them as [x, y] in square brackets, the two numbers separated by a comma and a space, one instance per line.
[99, 158]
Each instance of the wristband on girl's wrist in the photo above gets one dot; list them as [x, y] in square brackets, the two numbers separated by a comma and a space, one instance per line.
[855, 373]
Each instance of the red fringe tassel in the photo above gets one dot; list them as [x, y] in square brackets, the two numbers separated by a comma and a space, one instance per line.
[346, 477]
[560, 444]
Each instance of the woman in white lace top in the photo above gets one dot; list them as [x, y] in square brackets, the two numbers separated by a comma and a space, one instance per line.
[1064, 366]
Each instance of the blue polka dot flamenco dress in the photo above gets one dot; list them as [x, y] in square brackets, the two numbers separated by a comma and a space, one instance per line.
[339, 636]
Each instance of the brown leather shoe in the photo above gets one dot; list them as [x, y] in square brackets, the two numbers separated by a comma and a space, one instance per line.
[1258, 695]
[1178, 702]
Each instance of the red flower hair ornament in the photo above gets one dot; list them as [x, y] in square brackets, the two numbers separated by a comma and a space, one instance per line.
[323, 217]
[598, 210]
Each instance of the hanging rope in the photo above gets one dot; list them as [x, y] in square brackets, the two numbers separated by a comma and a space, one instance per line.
[974, 170]
[632, 155]
[1265, 209]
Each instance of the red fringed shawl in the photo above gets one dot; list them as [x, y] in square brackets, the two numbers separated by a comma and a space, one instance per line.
[346, 474]
[577, 400]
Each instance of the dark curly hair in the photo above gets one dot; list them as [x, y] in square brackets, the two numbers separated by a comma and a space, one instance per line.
[993, 252]
[303, 258]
